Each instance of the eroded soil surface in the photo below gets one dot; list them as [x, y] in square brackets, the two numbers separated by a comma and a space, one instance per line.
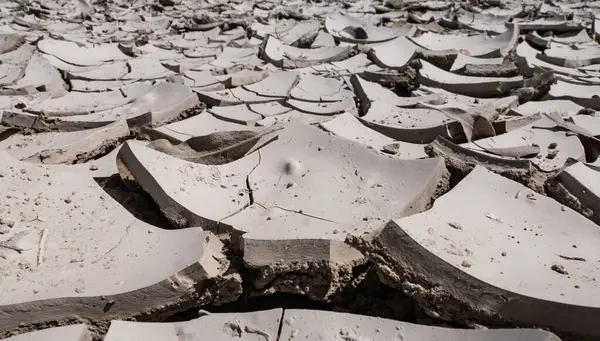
[316, 170]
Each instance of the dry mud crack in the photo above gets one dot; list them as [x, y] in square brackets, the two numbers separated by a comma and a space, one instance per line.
[279, 170]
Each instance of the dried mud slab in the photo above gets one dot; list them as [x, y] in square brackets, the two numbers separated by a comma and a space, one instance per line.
[239, 114]
[554, 24]
[76, 332]
[200, 125]
[328, 325]
[253, 326]
[585, 95]
[484, 87]
[288, 57]
[217, 148]
[65, 147]
[370, 92]
[72, 53]
[554, 147]
[68, 251]
[275, 87]
[162, 103]
[463, 61]
[533, 64]
[189, 194]
[482, 22]
[394, 54]
[293, 225]
[274, 197]
[349, 127]
[349, 29]
[565, 108]
[478, 281]
[423, 124]
[94, 144]
[481, 46]
[407, 124]
[573, 55]
[81, 103]
[41, 76]
[579, 187]
[321, 96]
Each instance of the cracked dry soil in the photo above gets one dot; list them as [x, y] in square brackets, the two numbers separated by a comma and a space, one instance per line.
[281, 170]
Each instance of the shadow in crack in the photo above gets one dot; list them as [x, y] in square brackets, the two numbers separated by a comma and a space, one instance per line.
[367, 296]
[279, 300]
[6, 132]
[139, 204]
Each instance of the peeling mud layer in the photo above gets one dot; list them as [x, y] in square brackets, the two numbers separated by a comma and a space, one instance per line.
[279, 170]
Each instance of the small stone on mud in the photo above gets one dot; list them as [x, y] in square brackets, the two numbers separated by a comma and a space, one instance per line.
[493, 217]
[93, 167]
[67, 200]
[466, 263]
[455, 225]
[392, 148]
[503, 254]
[559, 268]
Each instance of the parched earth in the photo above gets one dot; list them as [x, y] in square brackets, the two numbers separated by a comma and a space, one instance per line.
[299, 170]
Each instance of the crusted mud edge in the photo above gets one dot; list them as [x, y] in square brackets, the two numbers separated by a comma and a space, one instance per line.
[214, 291]
[329, 269]
[208, 281]
[448, 294]
[461, 161]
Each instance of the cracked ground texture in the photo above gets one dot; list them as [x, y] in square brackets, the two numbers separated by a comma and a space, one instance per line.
[318, 170]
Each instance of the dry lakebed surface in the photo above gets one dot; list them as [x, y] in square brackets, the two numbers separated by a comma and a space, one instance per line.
[281, 170]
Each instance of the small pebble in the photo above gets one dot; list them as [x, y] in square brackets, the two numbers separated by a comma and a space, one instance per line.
[393, 148]
[503, 254]
[67, 200]
[466, 263]
[93, 167]
[559, 268]
[455, 225]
